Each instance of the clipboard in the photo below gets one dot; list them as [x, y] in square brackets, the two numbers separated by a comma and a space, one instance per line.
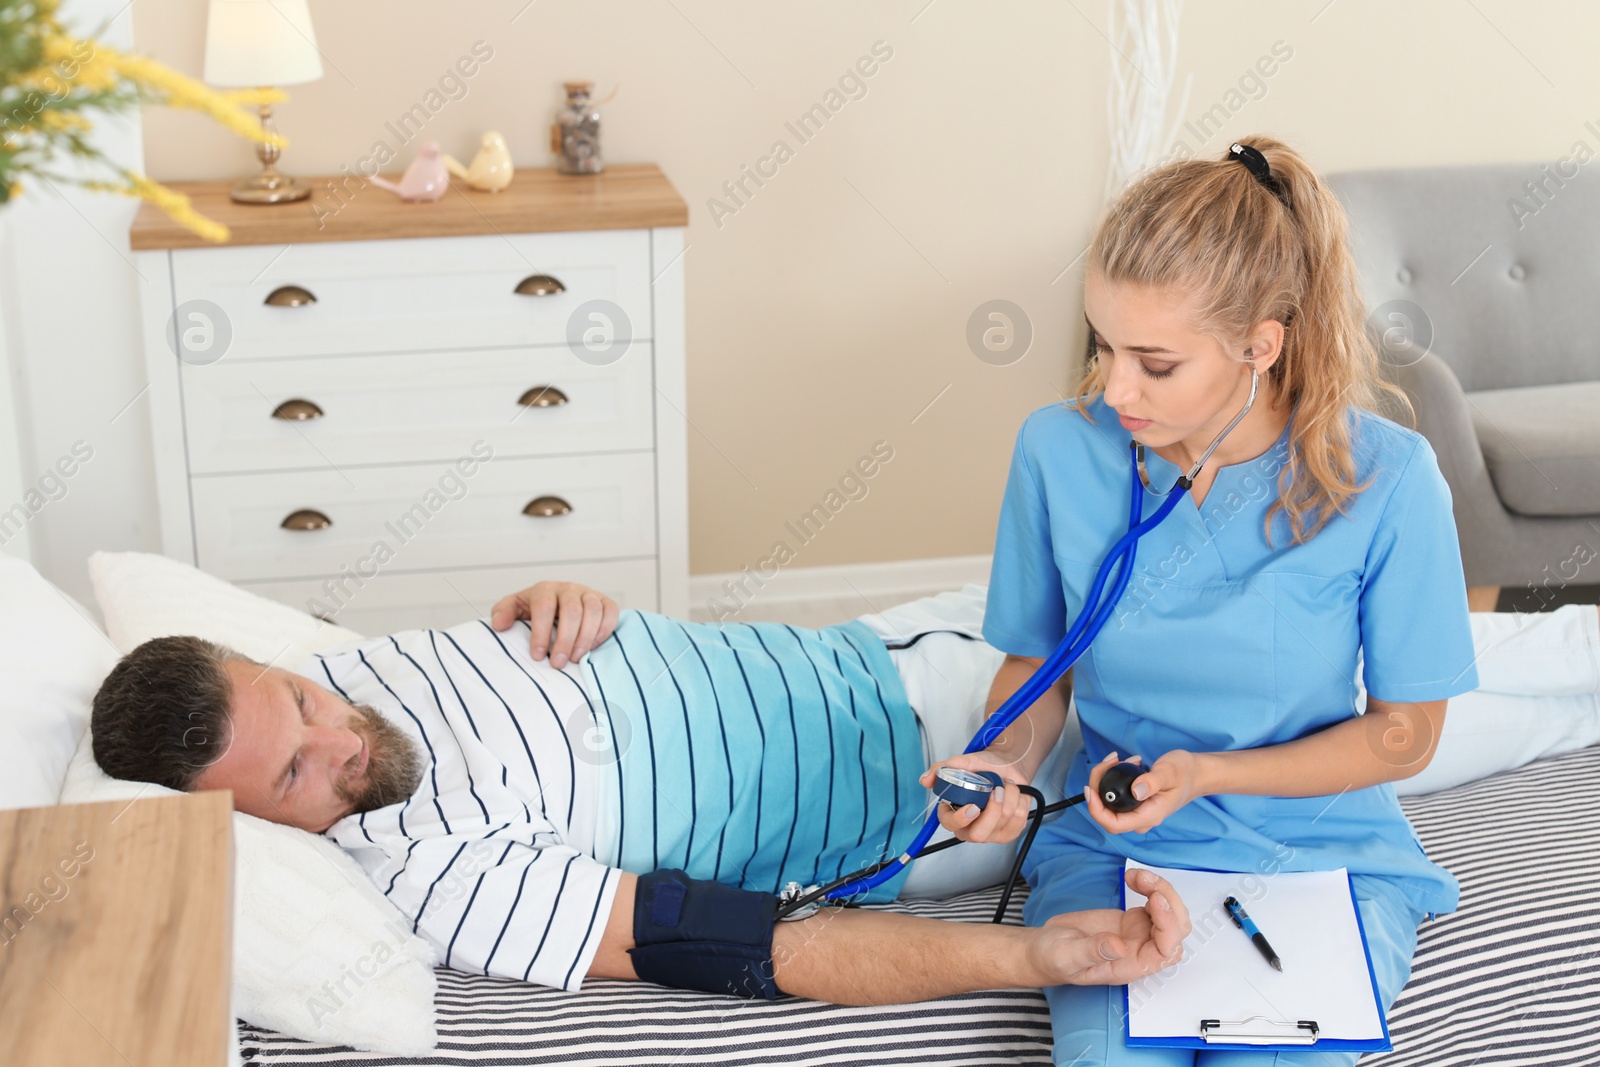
[1222, 995]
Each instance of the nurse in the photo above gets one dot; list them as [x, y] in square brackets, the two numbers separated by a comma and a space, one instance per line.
[1317, 543]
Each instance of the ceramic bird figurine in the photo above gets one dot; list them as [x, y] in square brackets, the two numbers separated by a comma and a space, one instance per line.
[425, 179]
[491, 167]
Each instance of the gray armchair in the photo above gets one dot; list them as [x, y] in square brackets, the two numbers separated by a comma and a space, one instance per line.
[1488, 314]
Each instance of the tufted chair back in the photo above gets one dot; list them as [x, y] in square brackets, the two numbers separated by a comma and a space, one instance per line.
[1494, 267]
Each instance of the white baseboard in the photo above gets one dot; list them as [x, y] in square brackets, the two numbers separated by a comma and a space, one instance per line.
[901, 578]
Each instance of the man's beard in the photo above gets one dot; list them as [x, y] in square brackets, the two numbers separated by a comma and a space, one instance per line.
[394, 766]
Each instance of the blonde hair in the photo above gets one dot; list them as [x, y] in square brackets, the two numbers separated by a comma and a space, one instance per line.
[1212, 231]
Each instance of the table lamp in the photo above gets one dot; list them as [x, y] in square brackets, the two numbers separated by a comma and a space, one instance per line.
[262, 44]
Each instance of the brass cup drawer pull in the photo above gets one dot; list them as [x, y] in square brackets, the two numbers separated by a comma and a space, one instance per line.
[543, 396]
[290, 296]
[296, 410]
[546, 507]
[540, 285]
[306, 519]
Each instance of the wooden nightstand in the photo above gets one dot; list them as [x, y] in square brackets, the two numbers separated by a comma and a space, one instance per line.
[116, 941]
[392, 414]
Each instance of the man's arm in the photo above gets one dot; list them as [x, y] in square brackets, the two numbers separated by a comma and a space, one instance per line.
[566, 619]
[611, 960]
[853, 956]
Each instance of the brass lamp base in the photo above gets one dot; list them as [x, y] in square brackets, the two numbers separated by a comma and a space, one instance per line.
[269, 187]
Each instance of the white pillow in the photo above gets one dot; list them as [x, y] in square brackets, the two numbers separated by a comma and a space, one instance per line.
[309, 925]
[52, 659]
[144, 596]
[318, 952]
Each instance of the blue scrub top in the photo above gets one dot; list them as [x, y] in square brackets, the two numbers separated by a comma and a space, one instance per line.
[1221, 642]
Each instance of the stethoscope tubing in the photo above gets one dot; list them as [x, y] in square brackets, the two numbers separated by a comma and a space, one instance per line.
[1084, 630]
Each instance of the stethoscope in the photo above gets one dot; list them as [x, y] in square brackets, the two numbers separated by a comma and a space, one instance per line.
[959, 787]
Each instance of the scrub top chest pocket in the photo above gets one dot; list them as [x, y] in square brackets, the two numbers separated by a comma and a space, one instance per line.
[1181, 666]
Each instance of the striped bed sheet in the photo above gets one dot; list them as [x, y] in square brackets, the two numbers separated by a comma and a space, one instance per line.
[1512, 977]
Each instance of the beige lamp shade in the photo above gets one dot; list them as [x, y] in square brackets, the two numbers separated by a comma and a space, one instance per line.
[260, 42]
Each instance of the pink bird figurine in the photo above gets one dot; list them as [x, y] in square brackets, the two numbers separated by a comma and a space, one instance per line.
[425, 179]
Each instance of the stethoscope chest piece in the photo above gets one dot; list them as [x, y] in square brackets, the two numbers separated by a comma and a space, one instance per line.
[788, 899]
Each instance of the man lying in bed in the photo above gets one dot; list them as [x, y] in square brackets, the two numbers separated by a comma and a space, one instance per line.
[630, 814]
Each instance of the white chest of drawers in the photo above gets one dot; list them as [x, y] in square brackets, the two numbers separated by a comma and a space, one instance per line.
[395, 418]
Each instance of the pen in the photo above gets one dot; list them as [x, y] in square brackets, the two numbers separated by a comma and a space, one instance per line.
[1241, 919]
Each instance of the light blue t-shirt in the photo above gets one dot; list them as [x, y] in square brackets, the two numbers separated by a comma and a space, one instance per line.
[754, 754]
[1221, 642]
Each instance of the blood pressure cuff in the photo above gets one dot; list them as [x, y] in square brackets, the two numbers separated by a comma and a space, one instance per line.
[694, 934]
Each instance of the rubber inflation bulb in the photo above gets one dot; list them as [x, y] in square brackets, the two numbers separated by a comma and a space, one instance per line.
[1116, 786]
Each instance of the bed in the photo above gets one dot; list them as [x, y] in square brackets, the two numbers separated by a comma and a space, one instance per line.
[1510, 978]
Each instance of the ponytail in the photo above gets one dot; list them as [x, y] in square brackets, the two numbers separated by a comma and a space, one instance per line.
[1210, 230]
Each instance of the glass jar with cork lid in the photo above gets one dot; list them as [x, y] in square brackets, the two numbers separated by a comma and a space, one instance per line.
[575, 135]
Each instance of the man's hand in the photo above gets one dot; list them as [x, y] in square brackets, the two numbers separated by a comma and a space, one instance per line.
[1168, 785]
[1111, 947]
[863, 956]
[565, 618]
[1003, 818]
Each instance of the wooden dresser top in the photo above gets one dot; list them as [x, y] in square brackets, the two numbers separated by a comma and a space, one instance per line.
[625, 196]
[120, 933]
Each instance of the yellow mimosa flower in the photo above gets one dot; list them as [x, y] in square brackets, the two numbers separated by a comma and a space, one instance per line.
[181, 91]
[64, 120]
[74, 74]
[178, 206]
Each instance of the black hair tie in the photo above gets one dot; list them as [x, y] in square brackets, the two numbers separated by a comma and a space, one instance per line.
[1257, 165]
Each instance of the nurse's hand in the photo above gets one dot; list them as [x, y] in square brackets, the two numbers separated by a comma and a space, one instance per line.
[1006, 814]
[1168, 785]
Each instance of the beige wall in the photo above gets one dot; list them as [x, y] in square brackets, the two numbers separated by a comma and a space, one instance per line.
[828, 311]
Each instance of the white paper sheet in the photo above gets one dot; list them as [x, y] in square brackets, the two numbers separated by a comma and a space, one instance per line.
[1310, 920]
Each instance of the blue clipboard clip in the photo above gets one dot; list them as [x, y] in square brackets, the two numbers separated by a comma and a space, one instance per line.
[1255, 1031]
